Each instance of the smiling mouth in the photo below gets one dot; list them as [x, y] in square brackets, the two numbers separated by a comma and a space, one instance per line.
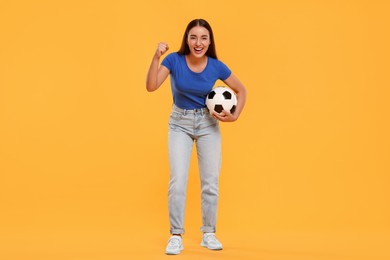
[198, 50]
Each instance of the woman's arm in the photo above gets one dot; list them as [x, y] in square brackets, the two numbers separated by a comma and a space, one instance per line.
[233, 82]
[157, 75]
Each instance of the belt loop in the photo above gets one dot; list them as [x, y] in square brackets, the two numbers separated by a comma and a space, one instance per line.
[184, 111]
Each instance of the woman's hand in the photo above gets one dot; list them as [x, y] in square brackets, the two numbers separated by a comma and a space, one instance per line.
[225, 116]
[233, 82]
[162, 48]
[157, 74]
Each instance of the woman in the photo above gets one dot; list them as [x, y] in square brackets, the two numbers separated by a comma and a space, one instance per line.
[194, 69]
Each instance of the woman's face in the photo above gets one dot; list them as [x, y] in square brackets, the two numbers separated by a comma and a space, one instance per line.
[198, 41]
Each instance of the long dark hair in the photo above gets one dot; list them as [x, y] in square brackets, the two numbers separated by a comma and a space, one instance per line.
[184, 49]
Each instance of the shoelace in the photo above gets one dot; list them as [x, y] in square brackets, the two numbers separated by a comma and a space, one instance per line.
[174, 241]
[211, 238]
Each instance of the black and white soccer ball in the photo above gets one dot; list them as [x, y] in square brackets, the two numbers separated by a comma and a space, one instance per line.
[221, 98]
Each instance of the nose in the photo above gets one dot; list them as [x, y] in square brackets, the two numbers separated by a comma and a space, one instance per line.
[198, 42]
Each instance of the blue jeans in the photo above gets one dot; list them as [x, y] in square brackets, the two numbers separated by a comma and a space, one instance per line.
[185, 128]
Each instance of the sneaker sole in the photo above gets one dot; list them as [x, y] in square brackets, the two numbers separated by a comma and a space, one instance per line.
[211, 248]
[176, 252]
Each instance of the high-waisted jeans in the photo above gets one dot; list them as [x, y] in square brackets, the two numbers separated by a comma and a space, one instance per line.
[185, 128]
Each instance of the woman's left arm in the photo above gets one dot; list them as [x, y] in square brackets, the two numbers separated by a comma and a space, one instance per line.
[233, 83]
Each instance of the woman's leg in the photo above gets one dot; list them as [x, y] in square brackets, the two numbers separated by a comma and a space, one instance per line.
[208, 146]
[179, 150]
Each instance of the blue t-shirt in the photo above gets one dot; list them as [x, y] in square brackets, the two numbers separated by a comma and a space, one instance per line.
[189, 89]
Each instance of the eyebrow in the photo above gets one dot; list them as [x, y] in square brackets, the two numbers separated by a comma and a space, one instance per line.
[205, 35]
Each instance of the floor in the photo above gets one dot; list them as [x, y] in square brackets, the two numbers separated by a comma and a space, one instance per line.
[67, 245]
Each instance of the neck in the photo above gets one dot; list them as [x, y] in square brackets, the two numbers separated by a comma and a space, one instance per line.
[195, 60]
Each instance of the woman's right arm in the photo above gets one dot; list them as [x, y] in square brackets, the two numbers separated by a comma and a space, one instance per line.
[157, 75]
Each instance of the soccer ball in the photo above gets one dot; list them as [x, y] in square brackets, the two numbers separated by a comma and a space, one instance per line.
[221, 98]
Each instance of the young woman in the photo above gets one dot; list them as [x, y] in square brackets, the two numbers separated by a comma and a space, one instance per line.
[194, 69]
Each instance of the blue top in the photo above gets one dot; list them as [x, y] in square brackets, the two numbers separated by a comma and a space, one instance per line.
[189, 89]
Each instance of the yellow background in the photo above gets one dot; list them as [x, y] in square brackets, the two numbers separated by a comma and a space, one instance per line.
[83, 149]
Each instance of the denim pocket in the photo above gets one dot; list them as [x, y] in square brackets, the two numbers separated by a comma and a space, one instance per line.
[211, 118]
[174, 119]
[176, 115]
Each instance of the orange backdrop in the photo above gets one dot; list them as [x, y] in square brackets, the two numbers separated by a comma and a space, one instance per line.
[83, 145]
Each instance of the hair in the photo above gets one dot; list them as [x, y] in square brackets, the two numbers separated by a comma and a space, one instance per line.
[184, 49]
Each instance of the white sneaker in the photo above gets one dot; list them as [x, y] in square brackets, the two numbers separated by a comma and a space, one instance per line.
[175, 245]
[211, 242]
